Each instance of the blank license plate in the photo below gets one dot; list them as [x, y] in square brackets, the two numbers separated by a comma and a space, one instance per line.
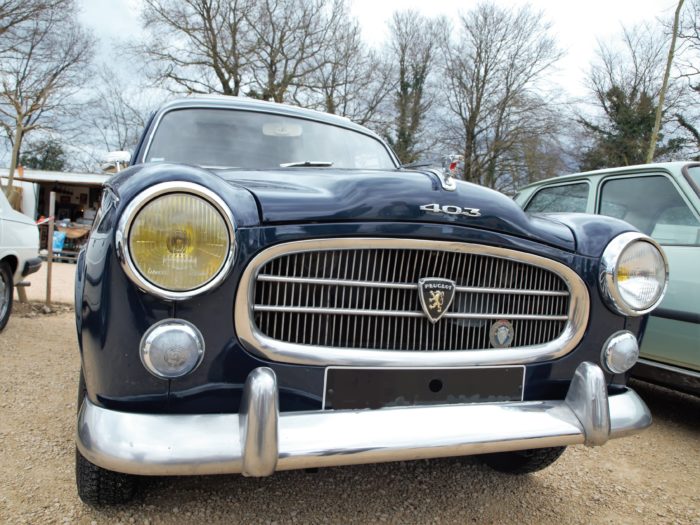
[354, 388]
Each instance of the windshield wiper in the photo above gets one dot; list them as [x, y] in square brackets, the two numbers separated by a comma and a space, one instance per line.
[307, 163]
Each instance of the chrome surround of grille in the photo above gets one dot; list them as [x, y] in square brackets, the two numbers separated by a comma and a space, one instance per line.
[274, 350]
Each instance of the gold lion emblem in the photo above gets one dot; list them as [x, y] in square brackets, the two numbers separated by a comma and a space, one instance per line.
[437, 298]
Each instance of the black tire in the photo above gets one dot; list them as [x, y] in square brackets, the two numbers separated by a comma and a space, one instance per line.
[6, 294]
[97, 486]
[523, 461]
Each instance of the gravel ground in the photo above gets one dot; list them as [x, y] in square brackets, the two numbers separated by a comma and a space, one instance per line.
[653, 477]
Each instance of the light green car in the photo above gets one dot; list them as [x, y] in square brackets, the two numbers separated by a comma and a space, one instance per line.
[663, 201]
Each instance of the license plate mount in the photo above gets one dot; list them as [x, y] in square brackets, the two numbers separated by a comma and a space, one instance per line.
[358, 388]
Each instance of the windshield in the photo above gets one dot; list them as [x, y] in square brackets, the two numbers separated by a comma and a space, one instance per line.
[223, 138]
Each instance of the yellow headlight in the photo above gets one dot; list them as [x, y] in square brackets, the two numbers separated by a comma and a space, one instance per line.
[179, 242]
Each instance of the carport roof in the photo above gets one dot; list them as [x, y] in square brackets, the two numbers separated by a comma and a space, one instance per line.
[62, 177]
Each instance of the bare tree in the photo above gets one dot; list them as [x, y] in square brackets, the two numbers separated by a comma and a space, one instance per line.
[351, 80]
[199, 46]
[290, 35]
[625, 84]
[15, 13]
[116, 117]
[413, 46]
[267, 49]
[493, 86]
[689, 65]
[40, 74]
[664, 84]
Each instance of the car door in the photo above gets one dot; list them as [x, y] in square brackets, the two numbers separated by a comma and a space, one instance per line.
[656, 205]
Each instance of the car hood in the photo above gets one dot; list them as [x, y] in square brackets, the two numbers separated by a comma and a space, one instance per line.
[17, 217]
[327, 195]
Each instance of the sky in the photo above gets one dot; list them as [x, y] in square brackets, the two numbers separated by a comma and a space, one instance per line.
[576, 25]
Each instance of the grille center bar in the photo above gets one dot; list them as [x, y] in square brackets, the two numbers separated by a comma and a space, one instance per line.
[404, 286]
[402, 313]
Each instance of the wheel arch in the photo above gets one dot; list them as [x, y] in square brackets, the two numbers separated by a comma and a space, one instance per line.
[12, 260]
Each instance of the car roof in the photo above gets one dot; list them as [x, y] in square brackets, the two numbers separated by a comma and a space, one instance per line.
[250, 104]
[638, 168]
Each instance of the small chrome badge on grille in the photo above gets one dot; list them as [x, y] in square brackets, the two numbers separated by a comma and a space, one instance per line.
[501, 334]
[436, 296]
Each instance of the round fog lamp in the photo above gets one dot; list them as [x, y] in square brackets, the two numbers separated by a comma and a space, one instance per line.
[172, 348]
[620, 352]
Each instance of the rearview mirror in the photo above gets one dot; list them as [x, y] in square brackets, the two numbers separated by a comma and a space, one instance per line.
[115, 161]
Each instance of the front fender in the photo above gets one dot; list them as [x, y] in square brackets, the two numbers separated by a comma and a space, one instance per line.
[592, 232]
[130, 182]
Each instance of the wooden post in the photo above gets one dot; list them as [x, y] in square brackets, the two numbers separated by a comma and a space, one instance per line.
[49, 242]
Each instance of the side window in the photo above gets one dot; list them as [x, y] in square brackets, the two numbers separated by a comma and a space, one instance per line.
[566, 197]
[654, 206]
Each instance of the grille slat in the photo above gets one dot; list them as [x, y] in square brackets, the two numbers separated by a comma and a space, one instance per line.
[368, 298]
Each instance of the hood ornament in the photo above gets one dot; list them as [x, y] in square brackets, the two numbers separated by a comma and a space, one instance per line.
[446, 173]
[436, 296]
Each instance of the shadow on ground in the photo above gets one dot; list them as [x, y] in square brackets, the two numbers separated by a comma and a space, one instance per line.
[668, 405]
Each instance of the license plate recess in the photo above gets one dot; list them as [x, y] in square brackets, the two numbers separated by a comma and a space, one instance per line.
[356, 388]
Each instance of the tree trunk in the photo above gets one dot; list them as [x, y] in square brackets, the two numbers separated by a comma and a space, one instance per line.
[664, 86]
[14, 158]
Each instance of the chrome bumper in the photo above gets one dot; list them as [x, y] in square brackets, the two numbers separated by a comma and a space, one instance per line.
[260, 440]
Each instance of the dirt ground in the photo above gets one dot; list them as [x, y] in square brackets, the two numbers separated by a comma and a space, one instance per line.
[653, 477]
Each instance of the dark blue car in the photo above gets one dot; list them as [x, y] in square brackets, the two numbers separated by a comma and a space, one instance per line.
[265, 288]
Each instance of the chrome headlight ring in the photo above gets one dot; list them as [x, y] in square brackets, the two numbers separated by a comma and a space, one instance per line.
[147, 196]
[608, 275]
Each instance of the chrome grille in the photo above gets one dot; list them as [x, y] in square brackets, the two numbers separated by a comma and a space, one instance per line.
[367, 298]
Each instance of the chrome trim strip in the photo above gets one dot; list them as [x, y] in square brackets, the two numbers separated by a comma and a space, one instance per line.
[402, 313]
[143, 198]
[607, 277]
[665, 366]
[402, 286]
[167, 444]
[271, 349]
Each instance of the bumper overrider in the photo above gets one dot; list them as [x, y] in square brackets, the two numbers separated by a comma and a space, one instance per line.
[260, 440]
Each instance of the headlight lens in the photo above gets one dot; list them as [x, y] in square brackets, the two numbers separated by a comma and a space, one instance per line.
[641, 275]
[634, 274]
[176, 240]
